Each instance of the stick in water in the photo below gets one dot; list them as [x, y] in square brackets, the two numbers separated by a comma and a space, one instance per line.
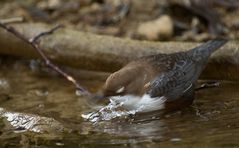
[33, 43]
[208, 85]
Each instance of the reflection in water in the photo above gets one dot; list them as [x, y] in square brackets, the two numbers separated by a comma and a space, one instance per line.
[145, 130]
[115, 119]
[127, 128]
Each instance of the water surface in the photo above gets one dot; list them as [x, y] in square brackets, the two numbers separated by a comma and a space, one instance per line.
[27, 89]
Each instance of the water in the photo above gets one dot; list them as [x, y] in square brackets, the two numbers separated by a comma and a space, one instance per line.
[123, 106]
[108, 112]
[37, 93]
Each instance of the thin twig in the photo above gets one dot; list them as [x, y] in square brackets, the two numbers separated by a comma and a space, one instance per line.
[12, 20]
[208, 85]
[35, 38]
[33, 43]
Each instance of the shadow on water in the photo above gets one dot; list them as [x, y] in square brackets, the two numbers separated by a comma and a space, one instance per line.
[31, 91]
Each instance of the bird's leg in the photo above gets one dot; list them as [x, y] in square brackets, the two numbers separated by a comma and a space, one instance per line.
[209, 84]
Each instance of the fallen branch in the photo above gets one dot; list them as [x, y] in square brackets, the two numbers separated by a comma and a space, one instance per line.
[33, 43]
[210, 84]
[12, 20]
[104, 53]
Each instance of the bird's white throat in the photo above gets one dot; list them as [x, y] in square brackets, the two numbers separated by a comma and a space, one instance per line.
[143, 103]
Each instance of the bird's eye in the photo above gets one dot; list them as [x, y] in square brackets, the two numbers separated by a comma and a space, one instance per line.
[120, 90]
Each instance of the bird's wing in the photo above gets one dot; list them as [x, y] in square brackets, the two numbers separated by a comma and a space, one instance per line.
[176, 82]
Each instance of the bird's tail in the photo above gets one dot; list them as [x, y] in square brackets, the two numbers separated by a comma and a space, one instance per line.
[205, 50]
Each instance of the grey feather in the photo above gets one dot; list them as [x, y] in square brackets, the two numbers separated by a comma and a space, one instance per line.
[183, 74]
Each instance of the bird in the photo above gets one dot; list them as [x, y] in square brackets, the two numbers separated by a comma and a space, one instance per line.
[160, 81]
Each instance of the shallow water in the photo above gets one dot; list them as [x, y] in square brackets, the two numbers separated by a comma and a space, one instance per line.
[25, 87]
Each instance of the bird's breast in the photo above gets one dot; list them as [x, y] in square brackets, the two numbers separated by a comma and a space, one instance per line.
[143, 103]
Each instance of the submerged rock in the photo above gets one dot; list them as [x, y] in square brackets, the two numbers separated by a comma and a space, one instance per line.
[30, 122]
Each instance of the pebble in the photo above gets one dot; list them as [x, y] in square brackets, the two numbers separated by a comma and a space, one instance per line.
[161, 28]
[175, 139]
[4, 84]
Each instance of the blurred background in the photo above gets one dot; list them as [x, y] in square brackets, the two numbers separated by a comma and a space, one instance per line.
[177, 20]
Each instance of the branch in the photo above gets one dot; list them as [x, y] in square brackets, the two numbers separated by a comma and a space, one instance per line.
[12, 20]
[35, 38]
[32, 42]
[209, 84]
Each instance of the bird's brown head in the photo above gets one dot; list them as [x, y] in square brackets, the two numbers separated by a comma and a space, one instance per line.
[128, 80]
[116, 84]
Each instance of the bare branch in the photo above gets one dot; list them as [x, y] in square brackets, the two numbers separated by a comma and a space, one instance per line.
[33, 43]
[12, 20]
[209, 84]
[34, 39]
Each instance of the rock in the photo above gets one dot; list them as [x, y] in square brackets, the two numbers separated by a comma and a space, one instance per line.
[54, 4]
[4, 84]
[161, 28]
[50, 4]
[30, 122]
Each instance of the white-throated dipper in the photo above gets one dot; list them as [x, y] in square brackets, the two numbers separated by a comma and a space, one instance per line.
[159, 81]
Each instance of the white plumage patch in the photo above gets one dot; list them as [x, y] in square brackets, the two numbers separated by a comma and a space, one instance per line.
[140, 103]
[120, 90]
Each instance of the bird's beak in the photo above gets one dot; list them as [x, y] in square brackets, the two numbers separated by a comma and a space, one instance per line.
[99, 98]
